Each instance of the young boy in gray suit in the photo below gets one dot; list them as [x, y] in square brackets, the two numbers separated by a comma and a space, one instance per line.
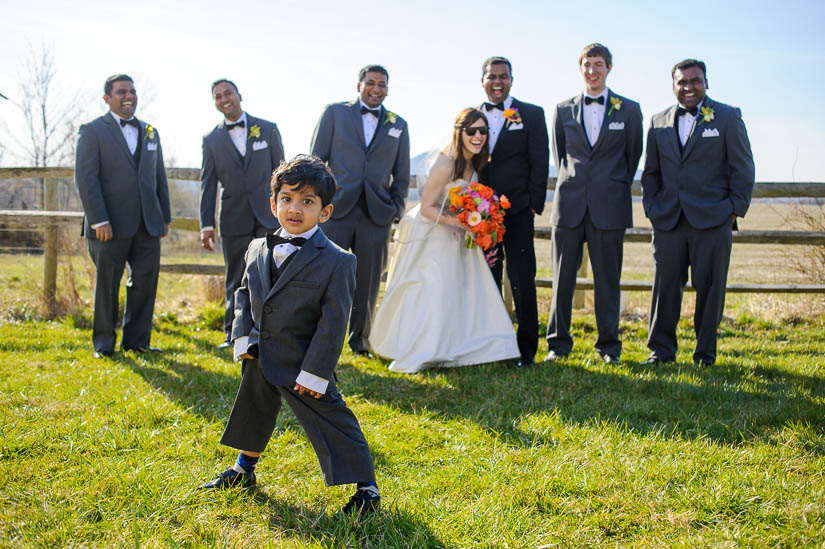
[291, 314]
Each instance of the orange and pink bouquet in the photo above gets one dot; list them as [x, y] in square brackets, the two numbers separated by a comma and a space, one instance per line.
[481, 212]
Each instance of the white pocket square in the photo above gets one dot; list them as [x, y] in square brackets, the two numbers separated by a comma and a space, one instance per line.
[512, 127]
[616, 126]
[258, 145]
[151, 146]
[710, 132]
[395, 132]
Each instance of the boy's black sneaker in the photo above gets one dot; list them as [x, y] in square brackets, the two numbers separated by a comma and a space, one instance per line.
[231, 479]
[363, 502]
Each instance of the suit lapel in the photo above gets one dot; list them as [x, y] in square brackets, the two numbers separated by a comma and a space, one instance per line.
[578, 114]
[303, 256]
[380, 130]
[605, 122]
[358, 123]
[505, 128]
[248, 156]
[264, 263]
[694, 132]
[228, 145]
[117, 135]
[673, 133]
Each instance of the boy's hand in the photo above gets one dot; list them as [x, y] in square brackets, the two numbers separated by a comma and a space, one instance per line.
[246, 356]
[301, 390]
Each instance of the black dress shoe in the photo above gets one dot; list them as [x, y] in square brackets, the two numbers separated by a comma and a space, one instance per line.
[366, 354]
[225, 345]
[231, 479]
[553, 356]
[103, 354]
[656, 361]
[610, 359]
[362, 502]
[525, 362]
[142, 349]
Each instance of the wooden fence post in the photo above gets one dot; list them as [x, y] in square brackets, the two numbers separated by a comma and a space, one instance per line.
[578, 296]
[50, 251]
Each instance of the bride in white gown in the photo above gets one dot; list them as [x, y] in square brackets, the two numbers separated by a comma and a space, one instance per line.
[441, 306]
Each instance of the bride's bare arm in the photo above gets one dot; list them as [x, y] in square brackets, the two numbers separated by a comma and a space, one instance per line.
[432, 194]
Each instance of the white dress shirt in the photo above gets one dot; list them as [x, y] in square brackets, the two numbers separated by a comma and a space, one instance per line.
[686, 122]
[495, 118]
[370, 122]
[130, 134]
[238, 134]
[593, 116]
[241, 345]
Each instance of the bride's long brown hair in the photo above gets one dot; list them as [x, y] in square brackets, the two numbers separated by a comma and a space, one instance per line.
[465, 119]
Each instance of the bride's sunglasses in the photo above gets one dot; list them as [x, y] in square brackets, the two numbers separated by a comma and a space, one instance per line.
[471, 131]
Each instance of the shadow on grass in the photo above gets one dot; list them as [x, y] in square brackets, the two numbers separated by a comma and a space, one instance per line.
[724, 403]
[386, 528]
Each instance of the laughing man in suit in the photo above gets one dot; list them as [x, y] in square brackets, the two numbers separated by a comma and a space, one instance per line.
[597, 143]
[241, 153]
[698, 178]
[519, 162]
[121, 180]
[367, 147]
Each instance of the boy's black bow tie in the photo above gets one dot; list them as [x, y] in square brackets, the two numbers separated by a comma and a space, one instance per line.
[273, 240]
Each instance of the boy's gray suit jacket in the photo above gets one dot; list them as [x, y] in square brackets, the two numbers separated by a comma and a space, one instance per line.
[300, 322]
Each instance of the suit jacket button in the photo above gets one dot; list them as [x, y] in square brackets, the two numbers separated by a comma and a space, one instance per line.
[267, 309]
[265, 335]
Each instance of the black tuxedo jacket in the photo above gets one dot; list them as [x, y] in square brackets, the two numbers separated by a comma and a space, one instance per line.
[520, 161]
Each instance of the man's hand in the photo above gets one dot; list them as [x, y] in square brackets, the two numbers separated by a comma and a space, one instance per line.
[104, 232]
[208, 239]
[246, 356]
[165, 230]
[301, 390]
[733, 219]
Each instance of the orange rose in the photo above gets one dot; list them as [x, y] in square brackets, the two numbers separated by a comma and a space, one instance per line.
[504, 201]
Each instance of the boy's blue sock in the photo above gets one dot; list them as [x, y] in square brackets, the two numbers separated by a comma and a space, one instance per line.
[245, 464]
[370, 487]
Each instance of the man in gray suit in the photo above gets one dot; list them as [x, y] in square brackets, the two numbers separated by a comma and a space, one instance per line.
[597, 143]
[368, 149]
[121, 179]
[241, 153]
[698, 178]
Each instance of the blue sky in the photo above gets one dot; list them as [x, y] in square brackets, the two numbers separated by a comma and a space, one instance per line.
[290, 58]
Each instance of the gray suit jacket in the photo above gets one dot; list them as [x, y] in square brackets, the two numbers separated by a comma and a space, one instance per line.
[112, 186]
[244, 181]
[598, 179]
[381, 169]
[709, 181]
[300, 322]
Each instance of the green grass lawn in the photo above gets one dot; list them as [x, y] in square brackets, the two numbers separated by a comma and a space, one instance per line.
[578, 454]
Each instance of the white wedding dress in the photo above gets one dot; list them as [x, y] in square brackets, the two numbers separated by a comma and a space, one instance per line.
[441, 307]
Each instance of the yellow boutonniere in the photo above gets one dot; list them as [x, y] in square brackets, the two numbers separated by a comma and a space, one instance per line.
[615, 104]
[150, 132]
[391, 118]
[707, 115]
[512, 115]
[254, 131]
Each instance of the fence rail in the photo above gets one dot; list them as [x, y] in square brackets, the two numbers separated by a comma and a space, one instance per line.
[49, 219]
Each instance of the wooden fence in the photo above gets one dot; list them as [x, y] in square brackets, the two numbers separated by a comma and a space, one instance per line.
[49, 219]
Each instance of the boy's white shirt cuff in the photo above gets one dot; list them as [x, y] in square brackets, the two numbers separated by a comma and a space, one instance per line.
[312, 382]
[241, 346]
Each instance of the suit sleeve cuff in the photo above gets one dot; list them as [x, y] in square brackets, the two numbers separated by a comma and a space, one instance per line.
[203, 229]
[241, 346]
[96, 225]
[312, 382]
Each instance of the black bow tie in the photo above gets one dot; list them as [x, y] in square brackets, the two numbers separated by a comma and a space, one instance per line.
[682, 110]
[491, 106]
[235, 125]
[273, 240]
[599, 100]
[374, 112]
[131, 122]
